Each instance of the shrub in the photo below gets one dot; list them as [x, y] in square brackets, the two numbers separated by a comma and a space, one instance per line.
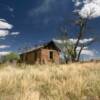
[11, 57]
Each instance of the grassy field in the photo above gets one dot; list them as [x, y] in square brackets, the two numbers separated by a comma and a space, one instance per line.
[50, 82]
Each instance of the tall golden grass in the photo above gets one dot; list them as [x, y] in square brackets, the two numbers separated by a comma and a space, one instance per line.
[50, 82]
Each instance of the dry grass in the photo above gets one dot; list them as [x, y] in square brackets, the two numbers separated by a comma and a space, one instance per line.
[50, 82]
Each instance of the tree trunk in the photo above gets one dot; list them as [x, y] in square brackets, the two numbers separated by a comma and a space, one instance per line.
[82, 30]
[78, 57]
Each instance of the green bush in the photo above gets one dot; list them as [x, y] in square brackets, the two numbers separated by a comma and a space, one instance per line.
[11, 57]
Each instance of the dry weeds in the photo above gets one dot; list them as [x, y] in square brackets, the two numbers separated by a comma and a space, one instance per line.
[50, 82]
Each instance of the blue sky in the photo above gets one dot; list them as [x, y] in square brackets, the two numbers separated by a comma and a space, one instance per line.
[38, 20]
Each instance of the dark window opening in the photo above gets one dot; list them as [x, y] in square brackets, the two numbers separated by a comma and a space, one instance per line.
[51, 54]
[35, 56]
[26, 57]
[21, 57]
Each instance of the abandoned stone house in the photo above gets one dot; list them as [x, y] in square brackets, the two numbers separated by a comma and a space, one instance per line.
[43, 54]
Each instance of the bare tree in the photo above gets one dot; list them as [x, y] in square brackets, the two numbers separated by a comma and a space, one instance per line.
[70, 48]
[82, 24]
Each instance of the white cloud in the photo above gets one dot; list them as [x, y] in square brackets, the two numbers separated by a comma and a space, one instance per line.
[85, 48]
[93, 1]
[4, 46]
[4, 24]
[59, 41]
[15, 33]
[90, 8]
[82, 41]
[88, 52]
[4, 27]
[3, 33]
[3, 53]
[86, 40]
[77, 2]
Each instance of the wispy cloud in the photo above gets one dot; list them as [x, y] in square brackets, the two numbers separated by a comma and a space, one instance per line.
[4, 33]
[15, 33]
[43, 8]
[49, 11]
[10, 9]
[5, 25]
[2, 38]
[48, 6]
[7, 7]
[4, 46]
[77, 2]
[3, 53]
